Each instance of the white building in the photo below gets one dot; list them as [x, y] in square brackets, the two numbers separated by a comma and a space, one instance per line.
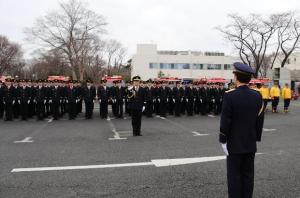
[290, 73]
[148, 62]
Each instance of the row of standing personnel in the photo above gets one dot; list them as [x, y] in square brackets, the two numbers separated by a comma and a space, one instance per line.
[25, 99]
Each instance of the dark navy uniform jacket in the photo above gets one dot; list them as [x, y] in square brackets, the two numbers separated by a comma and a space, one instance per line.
[241, 120]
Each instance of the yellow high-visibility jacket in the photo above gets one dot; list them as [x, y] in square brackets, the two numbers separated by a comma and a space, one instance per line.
[286, 93]
[265, 92]
[275, 92]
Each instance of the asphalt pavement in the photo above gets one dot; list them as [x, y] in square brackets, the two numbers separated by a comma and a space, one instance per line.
[175, 157]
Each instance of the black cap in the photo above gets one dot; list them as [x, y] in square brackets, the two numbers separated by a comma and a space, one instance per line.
[136, 78]
[243, 68]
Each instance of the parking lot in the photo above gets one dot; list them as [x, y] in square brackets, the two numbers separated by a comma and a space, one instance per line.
[175, 157]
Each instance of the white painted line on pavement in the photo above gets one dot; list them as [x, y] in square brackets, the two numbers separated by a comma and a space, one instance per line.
[113, 129]
[269, 130]
[80, 167]
[211, 116]
[156, 163]
[199, 134]
[26, 140]
[183, 161]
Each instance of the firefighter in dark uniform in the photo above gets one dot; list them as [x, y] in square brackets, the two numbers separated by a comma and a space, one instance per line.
[31, 103]
[16, 103]
[113, 92]
[48, 88]
[24, 96]
[189, 98]
[80, 90]
[176, 94]
[157, 99]
[103, 94]
[63, 101]
[119, 98]
[150, 92]
[70, 99]
[196, 93]
[171, 102]
[40, 98]
[9, 99]
[89, 95]
[204, 99]
[218, 99]
[241, 127]
[183, 102]
[1, 99]
[136, 95]
[163, 94]
[55, 99]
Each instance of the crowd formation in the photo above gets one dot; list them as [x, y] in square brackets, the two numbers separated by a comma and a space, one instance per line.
[24, 99]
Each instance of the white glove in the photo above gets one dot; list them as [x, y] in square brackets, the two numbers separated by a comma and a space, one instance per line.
[173, 100]
[224, 147]
[13, 102]
[213, 100]
[187, 100]
[59, 101]
[67, 101]
[19, 101]
[201, 100]
[167, 100]
[28, 101]
[158, 100]
[143, 109]
[50, 101]
[45, 101]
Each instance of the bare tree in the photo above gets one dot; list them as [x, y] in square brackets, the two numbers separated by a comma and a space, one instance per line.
[49, 63]
[266, 65]
[288, 37]
[71, 30]
[112, 47]
[10, 56]
[251, 36]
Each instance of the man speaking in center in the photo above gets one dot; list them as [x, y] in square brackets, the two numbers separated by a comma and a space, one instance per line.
[241, 127]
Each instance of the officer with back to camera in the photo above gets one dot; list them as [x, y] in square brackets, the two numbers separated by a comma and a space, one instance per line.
[241, 127]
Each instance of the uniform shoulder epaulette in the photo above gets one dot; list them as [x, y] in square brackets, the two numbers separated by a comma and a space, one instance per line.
[230, 90]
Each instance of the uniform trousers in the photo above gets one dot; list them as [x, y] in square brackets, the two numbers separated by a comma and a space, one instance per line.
[240, 175]
[136, 116]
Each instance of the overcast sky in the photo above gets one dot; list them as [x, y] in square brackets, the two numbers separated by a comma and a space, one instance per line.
[172, 24]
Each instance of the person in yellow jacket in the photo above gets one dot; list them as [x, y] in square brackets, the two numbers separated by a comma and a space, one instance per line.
[287, 96]
[275, 94]
[265, 93]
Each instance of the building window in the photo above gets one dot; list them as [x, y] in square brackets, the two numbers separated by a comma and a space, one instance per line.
[214, 66]
[182, 65]
[153, 65]
[227, 67]
[198, 66]
[172, 66]
[165, 66]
